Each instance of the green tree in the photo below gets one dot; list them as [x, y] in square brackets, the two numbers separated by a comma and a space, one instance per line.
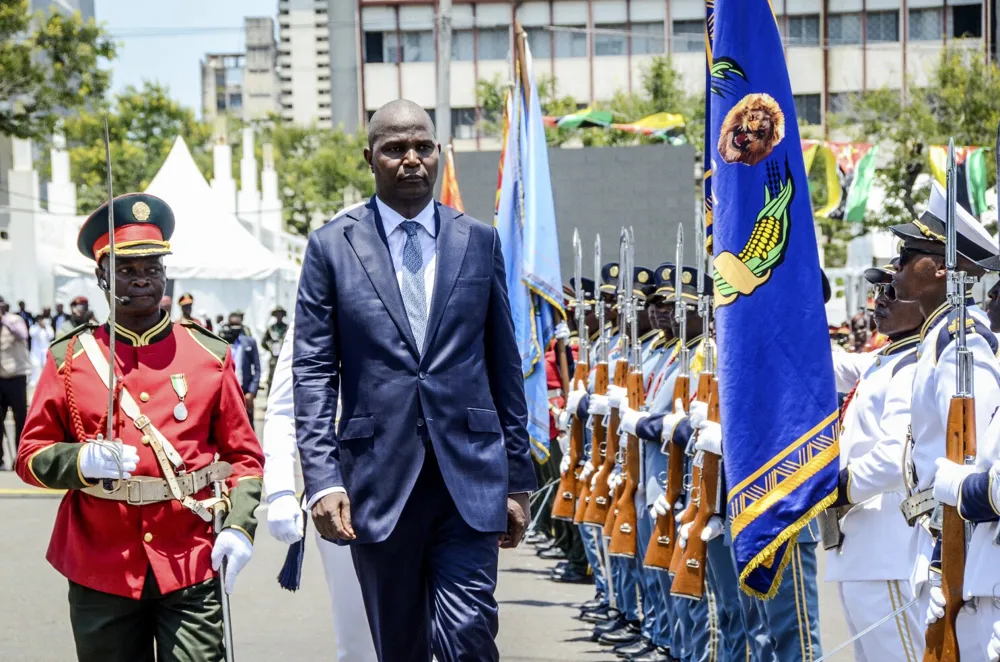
[142, 125]
[47, 64]
[959, 101]
[491, 95]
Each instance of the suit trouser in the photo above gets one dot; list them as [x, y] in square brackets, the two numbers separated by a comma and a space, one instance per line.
[591, 536]
[793, 615]
[429, 585]
[900, 639]
[626, 578]
[697, 627]
[13, 396]
[722, 573]
[181, 626]
[354, 637]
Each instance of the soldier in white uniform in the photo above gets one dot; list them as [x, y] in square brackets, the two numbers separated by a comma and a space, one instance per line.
[872, 564]
[922, 277]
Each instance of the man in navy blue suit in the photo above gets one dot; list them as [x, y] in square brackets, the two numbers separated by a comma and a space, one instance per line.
[403, 314]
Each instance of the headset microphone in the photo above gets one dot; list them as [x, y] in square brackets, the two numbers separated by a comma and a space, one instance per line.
[107, 288]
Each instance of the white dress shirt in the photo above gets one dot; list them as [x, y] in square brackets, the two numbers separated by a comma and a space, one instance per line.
[396, 236]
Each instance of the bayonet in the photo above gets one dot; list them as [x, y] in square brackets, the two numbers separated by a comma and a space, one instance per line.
[581, 299]
[634, 306]
[625, 285]
[704, 297]
[680, 309]
[957, 280]
[602, 339]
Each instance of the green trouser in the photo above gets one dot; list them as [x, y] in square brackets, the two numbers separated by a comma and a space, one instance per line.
[185, 625]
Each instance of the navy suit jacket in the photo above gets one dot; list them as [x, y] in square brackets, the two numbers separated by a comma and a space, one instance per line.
[463, 395]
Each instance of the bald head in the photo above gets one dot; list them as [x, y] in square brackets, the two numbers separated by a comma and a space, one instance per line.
[401, 115]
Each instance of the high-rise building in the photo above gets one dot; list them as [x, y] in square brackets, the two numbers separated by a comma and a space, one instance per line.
[244, 85]
[304, 59]
[594, 48]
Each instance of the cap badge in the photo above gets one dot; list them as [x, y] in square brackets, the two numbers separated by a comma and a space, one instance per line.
[643, 277]
[141, 211]
[686, 277]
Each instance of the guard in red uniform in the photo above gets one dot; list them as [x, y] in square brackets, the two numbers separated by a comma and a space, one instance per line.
[133, 534]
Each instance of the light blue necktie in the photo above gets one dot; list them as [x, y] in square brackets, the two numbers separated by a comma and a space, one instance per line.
[412, 288]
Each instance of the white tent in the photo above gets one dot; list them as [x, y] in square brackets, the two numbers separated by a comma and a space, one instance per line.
[214, 257]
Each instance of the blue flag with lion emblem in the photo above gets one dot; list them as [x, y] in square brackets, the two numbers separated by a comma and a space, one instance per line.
[777, 394]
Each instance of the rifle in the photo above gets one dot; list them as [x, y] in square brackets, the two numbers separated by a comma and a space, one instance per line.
[689, 581]
[600, 388]
[599, 509]
[941, 638]
[623, 540]
[565, 504]
[662, 543]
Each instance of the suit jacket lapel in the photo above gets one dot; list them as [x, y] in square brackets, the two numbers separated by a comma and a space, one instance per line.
[364, 237]
[452, 241]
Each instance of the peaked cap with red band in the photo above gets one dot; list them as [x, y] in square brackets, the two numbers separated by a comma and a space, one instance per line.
[143, 226]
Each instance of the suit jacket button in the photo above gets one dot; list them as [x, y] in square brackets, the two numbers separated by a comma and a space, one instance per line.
[420, 422]
[422, 375]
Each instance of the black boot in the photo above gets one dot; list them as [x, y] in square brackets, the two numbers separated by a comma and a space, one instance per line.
[634, 649]
[658, 654]
[631, 633]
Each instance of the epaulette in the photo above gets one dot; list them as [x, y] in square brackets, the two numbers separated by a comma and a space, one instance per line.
[60, 343]
[949, 331]
[212, 343]
[908, 359]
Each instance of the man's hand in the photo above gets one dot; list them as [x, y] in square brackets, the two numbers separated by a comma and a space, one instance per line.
[332, 517]
[249, 399]
[518, 514]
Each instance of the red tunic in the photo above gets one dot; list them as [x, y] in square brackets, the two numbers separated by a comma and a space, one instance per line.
[107, 545]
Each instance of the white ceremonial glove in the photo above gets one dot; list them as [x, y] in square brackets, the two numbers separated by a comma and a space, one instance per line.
[709, 438]
[563, 440]
[948, 480]
[615, 479]
[670, 421]
[699, 413]
[616, 396]
[684, 533]
[588, 469]
[97, 461]
[573, 400]
[935, 608]
[236, 548]
[599, 405]
[562, 420]
[564, 465]
[630, 419]
[993, 650]
[660, 507]
[562, 331]
[284, 518]
[713, 529]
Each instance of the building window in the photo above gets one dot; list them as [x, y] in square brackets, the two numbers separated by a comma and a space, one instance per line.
[841, 102]
[609, 39]
[803, 30]
[463, 122]
[807, 108]
[883, 26]
[417, 46]
[323, 37]
[571, 41]
[540, 42]
[926, 24]
[647, 38]
[374, 50]
[463, 45]
[844, 29]
[220, 102]
[688, 36]
[324, 104]
[236, 101]
[432, 113]
[494, 43]
[966, 21]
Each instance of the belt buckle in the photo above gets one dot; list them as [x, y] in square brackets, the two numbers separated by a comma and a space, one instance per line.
[128, 492]
[141, 421]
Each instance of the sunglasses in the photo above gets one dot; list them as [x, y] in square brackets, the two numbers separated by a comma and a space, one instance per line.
[884, 289]
[907, 253]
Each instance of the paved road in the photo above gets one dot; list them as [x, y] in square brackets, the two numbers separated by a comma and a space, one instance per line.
[536, 615]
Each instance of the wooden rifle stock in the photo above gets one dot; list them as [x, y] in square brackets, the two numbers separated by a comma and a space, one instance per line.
[689, 582]
[597, 440]
[600, 494]
[623, 529]
[564, 506]
[661, 544]
[941, 638]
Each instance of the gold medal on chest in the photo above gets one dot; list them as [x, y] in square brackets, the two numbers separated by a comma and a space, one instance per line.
[179, 382]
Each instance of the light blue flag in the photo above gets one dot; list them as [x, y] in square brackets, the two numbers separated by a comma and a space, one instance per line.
[527, 227]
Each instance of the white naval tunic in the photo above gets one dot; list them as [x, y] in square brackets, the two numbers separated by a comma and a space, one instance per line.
[354, 639]
[934, 385]
[873, 565]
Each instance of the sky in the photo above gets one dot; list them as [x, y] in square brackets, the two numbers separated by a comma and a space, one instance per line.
[166, 40]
